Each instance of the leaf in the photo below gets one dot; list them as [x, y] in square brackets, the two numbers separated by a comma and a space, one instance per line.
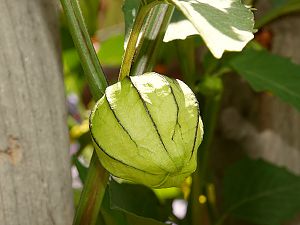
[138, 200]
[267, 72]
[117, 216]
[224, 25]
[179, 22]
[111, 217]
[261, 193]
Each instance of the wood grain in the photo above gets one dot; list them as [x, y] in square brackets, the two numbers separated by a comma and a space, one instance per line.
[35, 182]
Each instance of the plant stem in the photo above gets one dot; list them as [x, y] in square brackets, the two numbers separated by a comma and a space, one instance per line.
[187, 60]
[92, 194]
[150, 43]
[210, 116]
[82, 41]
[128, 57]
[96, 181]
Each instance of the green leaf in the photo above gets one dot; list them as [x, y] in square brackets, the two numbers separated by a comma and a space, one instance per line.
[224, 25]
[178, 21]
[114, 215]
[138, 200]
[111, 217]
[267, 72]
[261, 193]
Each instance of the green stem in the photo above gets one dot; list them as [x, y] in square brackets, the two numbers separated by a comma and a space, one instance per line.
[130, 51]
[82, 41]
[210, 116]
[96, 181]
[187, 60]
[92, 194]
[150, 43]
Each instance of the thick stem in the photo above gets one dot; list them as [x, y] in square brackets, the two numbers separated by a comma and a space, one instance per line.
[133, 39]
[92, 194]
[82, 41]
[95, 184]
[210, 116]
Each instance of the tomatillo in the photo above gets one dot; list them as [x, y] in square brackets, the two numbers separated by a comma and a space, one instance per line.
[146, 129]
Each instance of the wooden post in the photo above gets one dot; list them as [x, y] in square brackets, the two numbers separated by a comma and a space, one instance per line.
[35, 181]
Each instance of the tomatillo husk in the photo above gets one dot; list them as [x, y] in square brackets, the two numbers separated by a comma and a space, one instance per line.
[146, 129]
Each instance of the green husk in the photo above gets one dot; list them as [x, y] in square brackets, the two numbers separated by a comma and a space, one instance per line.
[146, 129]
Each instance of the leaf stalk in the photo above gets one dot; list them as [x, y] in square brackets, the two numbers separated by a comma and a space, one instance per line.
[128, 58]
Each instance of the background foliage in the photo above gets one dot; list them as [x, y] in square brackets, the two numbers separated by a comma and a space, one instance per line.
[253, 190]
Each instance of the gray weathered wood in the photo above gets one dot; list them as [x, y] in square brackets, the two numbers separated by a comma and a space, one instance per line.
[35, 183]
